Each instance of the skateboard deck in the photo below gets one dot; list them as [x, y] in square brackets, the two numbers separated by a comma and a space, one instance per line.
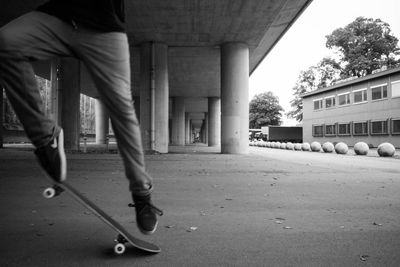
[123, 235]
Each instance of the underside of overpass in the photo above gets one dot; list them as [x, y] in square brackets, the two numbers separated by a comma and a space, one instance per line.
[190, 64]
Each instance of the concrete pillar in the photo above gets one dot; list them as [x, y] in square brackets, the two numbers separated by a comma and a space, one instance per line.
[201, 135]
[69, 92]
[214, 121]
[234, 98]
[206, 128]
[191, 139]
[102, 122]
[178, 121]
[154, 96]
[1, 117]
[187, 128]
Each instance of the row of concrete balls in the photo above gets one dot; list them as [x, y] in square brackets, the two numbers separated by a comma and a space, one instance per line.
[360, 148]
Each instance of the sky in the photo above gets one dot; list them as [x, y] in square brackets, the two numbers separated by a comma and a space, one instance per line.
[303, 45]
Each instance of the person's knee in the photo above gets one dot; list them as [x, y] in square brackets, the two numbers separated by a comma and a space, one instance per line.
[5, 41]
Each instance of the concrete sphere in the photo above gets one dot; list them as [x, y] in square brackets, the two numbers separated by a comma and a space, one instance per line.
[297, 147]
[289, 146]
[315, 146]
[328, 147]
[277, 144]
[283, 145]
[268, 144]
[361, 148]
[341, 148]
[305, 147]
[386, 150]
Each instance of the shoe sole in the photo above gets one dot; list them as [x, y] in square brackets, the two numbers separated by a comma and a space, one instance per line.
[61, 153]
[148, 232]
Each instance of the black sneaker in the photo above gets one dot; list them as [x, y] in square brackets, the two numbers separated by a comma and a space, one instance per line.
[52, 158]
[146, 214]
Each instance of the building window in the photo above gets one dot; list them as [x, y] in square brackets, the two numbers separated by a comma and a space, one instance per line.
[360, 128]
[396, 89]
[344, 99]
[318, 130]
[317, 104]
[360, 96]
[396, 126]
[344, 129]
[330, 129]
[379, 92]
[330, 102]
[379, 127]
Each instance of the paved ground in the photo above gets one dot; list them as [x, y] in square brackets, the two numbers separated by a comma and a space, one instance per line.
[269, 208]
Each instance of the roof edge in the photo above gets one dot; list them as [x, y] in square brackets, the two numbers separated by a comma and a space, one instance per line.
[340, 84]
[308, 2]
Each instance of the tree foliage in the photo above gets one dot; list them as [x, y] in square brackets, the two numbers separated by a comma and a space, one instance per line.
[264, 110]
[323, 74]
[365, 45]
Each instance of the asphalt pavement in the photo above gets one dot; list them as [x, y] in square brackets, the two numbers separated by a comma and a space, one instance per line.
[271, 207]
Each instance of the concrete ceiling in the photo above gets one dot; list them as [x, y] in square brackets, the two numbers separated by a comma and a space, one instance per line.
[193, 31]
[209, 23]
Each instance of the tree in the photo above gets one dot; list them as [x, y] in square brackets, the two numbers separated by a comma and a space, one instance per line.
[265, 110]
[324, 74]
[365, 45]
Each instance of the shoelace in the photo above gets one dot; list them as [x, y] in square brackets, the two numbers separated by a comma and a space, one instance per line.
[156, 210]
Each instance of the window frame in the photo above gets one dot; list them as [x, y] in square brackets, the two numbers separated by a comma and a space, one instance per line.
[332, 97]
[360, 134]
[321, 104]
[334, 129]
[348, 100]
[392, 126]
[349, 129]
[383, 127]
[364, 96]
[391, 88]
[381, 86]
[313, 130]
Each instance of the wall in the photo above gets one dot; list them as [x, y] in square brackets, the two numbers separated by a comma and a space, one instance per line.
[370, 110]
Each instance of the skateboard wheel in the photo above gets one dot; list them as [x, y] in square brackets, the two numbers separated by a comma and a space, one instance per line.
[49, 192]
[119, 248]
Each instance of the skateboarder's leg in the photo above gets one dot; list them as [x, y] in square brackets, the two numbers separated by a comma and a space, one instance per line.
[106, 56]
[31, 37]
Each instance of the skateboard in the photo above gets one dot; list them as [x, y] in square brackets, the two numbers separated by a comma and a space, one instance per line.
[123, 236]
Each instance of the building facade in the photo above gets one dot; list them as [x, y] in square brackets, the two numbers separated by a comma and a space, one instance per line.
[364, 109]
